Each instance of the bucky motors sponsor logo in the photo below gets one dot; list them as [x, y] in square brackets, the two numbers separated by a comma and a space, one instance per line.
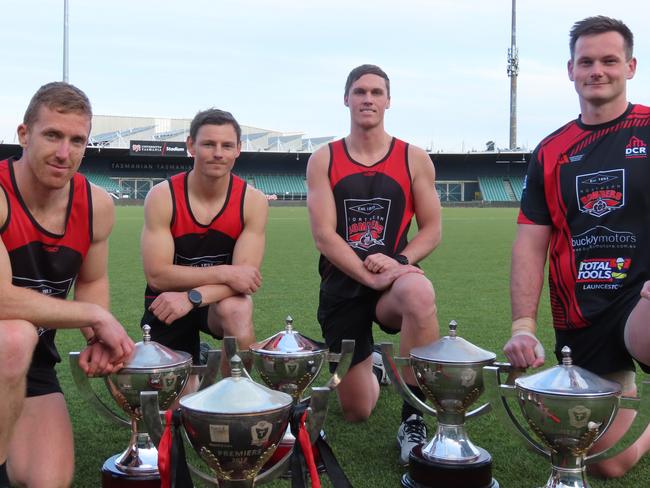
[603, 273]
[601, 193]
[202, 261]
[636, 148]
[601, 237]
[365, 222]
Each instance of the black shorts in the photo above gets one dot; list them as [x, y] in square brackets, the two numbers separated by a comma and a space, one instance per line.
[182, 334]
[600, 348]
[42, 381]
[349, 318]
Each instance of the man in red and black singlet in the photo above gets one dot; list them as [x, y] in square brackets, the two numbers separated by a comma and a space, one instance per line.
[586, 204]
[363, 192]
[203, 244]
[54, 229]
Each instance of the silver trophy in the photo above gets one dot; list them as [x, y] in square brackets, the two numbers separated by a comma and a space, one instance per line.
[567, 409]
[151, 367]
[290, 362]
[450, 374]
[235, 427]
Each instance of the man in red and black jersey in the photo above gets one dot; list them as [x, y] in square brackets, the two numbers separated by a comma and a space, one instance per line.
[586, 204]
[54, 228]
[363, 192]
[203, 243]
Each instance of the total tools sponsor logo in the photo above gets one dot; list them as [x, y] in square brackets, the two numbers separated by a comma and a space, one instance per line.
[603, 273]
[636, 148]
[601, 237]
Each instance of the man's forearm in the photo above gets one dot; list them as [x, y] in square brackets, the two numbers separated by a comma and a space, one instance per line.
[182, 278]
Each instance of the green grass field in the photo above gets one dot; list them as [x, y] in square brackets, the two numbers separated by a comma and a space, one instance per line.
[470, 271]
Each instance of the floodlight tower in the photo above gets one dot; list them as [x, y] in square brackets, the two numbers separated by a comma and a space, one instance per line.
[65, 40]
[513, 71]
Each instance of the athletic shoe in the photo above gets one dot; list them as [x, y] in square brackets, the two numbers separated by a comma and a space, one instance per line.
[378, 367]
[412, 431]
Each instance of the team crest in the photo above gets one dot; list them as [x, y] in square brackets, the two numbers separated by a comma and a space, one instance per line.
[579, 416]
[365, 222]
[260, 432]
[601, 193]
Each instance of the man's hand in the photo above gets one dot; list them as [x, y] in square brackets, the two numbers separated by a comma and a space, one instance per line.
[383, 280]
[94, 360]
[378, 263]
[524, 350]
[108, 331]
[170, 306]
[243, 278]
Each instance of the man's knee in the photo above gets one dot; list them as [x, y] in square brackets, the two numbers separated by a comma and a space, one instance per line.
[234, 314]
[18, 339]
[37, 478]
[416, 297]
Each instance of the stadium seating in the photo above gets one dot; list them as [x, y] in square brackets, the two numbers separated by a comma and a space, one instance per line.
[104, 181]
[277, 184]
[500, 189]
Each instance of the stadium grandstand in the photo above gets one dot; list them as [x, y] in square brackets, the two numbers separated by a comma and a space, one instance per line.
[128, 155]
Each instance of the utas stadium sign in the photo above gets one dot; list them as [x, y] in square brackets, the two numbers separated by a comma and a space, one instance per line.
[158, 149]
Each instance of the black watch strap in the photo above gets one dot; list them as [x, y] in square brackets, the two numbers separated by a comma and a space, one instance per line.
[401, 259]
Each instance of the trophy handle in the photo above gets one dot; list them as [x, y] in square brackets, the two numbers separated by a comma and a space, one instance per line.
[639, 424]
[318, 404]
[151, 415]
[513, 374]
[89, 395]
[209, 371]
[497, 394]
[343, 360]
[391, 365]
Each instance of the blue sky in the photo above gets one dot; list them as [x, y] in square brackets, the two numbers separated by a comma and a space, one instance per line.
[280, 64]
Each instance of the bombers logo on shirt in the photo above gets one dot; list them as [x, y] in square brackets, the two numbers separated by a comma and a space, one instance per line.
[601, 193]
[603, 273]
[46, 287]
[365, 222]
[202, 261]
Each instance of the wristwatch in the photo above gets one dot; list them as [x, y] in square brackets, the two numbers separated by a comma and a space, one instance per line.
[401, 259]
[195, 298]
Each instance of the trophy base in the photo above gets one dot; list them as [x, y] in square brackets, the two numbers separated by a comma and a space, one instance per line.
[424, 473]
[114, 478]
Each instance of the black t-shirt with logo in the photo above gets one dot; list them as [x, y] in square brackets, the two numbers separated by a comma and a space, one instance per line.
[374, 208]
[591, 184]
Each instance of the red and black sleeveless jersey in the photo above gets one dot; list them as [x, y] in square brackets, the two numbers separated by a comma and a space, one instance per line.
[41, 260]
[196, 244]
[590, 183]
[374, 208]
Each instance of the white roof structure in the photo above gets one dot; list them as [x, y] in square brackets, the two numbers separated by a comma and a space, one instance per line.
[117, 131]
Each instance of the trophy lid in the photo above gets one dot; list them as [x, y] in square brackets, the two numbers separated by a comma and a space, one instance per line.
[149, 355]
[567, 379]
[452, 349]
[236, 395]
[288, 342]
